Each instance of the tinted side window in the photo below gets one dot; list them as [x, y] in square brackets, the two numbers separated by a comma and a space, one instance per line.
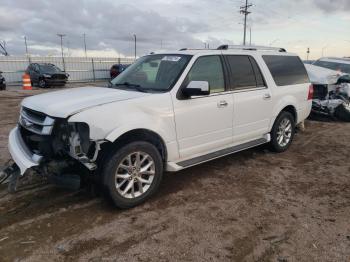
[286, 70]
[208, 68]
[242, 73]
[36, 67]
[258, 75]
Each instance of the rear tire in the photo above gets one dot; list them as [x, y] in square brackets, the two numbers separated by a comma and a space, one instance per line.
[342, 112]
[282, 133]
[133, 174]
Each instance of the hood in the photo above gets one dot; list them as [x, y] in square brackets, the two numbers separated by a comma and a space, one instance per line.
[324, 76]
[68, 102]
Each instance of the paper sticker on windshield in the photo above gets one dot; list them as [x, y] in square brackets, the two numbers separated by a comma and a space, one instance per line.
[171, 58]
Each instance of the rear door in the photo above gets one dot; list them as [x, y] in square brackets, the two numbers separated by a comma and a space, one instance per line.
[252, 98]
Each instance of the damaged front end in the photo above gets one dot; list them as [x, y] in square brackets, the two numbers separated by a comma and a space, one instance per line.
[331, 92]
[51, 146]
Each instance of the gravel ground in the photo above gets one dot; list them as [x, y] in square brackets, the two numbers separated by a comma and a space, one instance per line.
[251, 206]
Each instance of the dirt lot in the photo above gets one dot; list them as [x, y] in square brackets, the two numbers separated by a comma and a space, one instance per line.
[252, 206]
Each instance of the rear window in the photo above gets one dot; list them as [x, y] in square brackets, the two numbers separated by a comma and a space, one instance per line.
[286, 70]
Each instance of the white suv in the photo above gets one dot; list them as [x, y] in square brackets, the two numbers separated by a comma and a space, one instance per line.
[167, 111]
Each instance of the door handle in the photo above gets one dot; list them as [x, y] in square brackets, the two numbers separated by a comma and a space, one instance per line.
[222, 103]
[266, 96]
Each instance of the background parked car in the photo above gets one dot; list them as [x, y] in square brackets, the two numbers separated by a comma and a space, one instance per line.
[333, 63]
[46, 75]
[2, 82]
[117, 69]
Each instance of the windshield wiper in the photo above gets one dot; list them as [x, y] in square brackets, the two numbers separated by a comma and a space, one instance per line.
[135, 86]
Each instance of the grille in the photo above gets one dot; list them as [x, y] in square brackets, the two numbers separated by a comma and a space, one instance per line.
[36, 122]
[58, 77]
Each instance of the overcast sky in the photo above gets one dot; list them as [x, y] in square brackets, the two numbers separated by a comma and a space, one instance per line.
[172, 24]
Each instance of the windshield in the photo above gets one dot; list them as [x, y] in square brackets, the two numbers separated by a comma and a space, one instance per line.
[153, 72]
[344, 68]
[49, 69]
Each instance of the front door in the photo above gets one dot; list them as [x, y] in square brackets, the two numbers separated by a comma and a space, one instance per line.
[204, 124]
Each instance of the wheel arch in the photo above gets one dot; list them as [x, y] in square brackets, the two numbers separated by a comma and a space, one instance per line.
[139, 134]
[291, 108]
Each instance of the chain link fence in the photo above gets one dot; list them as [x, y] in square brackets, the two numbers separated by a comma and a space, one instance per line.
[79, 68]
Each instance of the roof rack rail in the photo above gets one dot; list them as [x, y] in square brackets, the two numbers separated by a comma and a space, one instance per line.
[185, 49]
[251, 48]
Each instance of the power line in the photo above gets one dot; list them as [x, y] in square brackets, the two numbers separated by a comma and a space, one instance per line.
[245, 12]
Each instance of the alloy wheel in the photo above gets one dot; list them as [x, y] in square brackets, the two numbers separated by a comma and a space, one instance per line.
[284, 133]
[134, 174]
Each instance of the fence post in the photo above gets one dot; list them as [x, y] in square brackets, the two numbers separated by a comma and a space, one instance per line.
[93, 69]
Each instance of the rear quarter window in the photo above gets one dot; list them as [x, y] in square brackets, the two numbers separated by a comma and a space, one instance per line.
[286, 70]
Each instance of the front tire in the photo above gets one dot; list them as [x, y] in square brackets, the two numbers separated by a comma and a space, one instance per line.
[133, 174]
[42, 83]
[282, 133]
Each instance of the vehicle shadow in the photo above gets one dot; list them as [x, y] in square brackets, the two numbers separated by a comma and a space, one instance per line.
[42, 198]
[323, 118]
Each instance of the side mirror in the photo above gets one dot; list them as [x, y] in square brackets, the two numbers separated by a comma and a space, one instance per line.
[196, 88]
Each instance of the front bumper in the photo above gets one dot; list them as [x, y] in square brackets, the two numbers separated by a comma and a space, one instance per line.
[20, 153]
[55, 81]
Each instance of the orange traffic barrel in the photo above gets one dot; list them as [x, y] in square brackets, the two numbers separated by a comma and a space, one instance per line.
[26, 82]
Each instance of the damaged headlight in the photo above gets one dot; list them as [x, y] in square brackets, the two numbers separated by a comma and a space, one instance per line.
[79, 140]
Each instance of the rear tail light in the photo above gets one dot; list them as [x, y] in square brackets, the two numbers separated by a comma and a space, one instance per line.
[311, 92]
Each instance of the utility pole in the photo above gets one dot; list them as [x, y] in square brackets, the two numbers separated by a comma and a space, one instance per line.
[25, 42]
[85, 44]
[135, 39]
[68, 53]
[3, 47]
[61, 36]
[324, 48]
[245, 12]
[250, 35]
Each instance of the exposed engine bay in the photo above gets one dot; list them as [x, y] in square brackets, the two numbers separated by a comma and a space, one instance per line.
[56, 145]
[54, 138]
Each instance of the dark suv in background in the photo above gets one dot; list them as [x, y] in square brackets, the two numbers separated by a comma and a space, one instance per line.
[46, 75]
[2, 82]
